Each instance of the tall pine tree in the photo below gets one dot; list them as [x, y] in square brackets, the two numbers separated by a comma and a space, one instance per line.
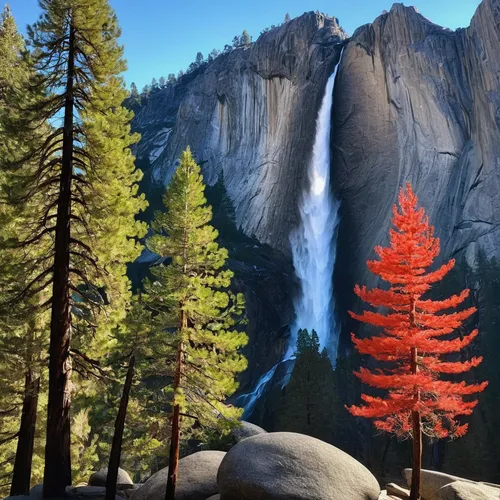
[79, 180]
[194, 309]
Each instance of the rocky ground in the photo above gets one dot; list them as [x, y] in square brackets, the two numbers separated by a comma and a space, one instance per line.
[277, 466]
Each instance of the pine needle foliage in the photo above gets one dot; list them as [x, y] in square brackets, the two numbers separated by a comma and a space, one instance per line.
[194, 309]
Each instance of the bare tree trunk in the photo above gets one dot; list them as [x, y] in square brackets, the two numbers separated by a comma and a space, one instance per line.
[116, 447]
[57, 473]
[173, 463]
[415, 417]
[417, 440]
[24, 454]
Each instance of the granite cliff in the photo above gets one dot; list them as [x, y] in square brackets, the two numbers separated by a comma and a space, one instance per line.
[412, 101]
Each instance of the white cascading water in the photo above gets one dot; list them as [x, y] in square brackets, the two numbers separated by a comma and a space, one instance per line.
[313, 245]
[313, 251]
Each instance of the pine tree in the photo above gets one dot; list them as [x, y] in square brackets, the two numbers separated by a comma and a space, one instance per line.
[245, 39]
[133, 90]
[154, 85]
[21, 339]
[236, 41]
[309, 398]
[163, 82]
[171, 78]
[417, 401]
[79, 181]
[194, 309]
[287, 18]
[213, 55]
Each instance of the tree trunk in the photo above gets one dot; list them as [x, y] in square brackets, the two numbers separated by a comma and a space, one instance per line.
[417, 439]
[173, 462]
[24, 454]
[57, 473]
[116, 447]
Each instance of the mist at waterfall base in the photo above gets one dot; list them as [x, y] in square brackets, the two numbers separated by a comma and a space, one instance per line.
[313, 251]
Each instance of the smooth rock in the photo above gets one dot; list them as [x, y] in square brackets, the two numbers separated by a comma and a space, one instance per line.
[99, 478]
[286, 466]
[460, 490]
[397, 491]
[246, 430]
[214, 497]
[197, 479]
[432, 481]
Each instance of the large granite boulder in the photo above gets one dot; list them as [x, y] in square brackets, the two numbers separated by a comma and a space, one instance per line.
[197, 479]
[245, 430]
[99, 478]
[286, 466]
[460, 490]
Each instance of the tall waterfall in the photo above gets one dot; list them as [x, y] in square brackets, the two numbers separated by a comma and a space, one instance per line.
[313, 243]
[313, 251]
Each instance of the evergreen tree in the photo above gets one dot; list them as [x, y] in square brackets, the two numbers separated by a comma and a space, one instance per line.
[245, 39]
[79, 181]
[199, 59]
[287, 18]
[22, 341]
[411, 345]
[213, 55]
[194, 309]
[236, 41]
[310, 398]
[163, 82]
[154, 85]
[133, 90]
[171, 78]
[180, 74]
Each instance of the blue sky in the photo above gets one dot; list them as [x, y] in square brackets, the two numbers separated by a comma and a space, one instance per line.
[163, 36]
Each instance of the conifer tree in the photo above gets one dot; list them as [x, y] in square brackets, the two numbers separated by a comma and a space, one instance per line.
[245, 39]
[411, 344]
[309, 398]
[79, 181]
[163, 82]
[171, 78]
[22, 342]
[194, 309]
[133, 90]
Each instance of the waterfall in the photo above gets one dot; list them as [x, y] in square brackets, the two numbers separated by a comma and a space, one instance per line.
[313, 243]
[313, 251]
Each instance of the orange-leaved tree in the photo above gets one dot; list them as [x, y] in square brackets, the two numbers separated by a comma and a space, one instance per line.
[416, 334]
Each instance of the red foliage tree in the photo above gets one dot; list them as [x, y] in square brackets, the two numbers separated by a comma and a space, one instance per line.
[411, 345]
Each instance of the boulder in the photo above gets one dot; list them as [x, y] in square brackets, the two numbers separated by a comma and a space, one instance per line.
[397, 491]
[460, 490]
[432, 481]
[99, 478]
[285, 466]
[246, 430]
[197, 479]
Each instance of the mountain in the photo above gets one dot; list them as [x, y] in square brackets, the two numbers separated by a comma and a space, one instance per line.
[412, 102]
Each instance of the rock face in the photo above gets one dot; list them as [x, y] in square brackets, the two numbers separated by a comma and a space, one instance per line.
[99, 478]
[197, 478]
[290, 466]
[413, 102]
[420, 103]
[249, 118]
